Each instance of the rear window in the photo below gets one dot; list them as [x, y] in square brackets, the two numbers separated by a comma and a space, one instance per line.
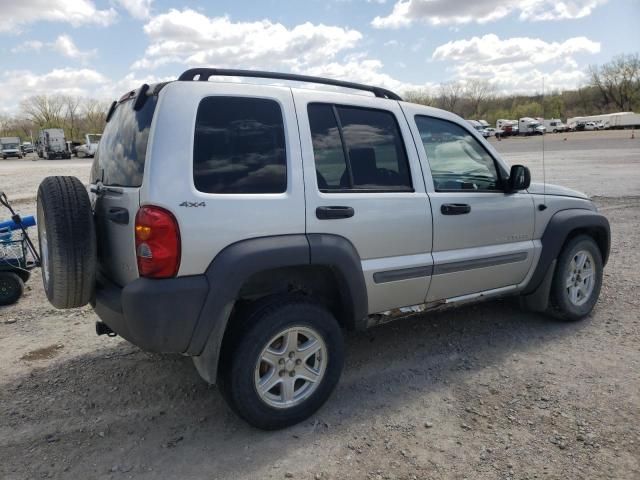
[239, 146]
[119, 160]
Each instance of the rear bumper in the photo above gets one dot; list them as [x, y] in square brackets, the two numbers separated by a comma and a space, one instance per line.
[156, 315]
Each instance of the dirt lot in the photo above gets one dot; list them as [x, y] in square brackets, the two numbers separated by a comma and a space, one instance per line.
[483, 392]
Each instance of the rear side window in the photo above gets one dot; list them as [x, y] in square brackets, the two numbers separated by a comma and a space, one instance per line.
[119, 160]
[239, 146]
[357, 149]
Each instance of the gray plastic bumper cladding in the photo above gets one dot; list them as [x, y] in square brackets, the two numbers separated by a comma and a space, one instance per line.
[156, 315]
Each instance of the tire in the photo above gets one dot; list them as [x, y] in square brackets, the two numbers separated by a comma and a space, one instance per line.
[67, 239]
[573, 295]
[11, 288]
[256, 329]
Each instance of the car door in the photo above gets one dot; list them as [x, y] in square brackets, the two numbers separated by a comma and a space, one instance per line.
[363, 182]
[482, 236]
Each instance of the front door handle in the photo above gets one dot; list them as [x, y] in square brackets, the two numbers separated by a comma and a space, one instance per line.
[334, 212]
[455, 208]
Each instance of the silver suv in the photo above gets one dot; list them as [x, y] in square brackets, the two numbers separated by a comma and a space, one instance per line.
[248, 225]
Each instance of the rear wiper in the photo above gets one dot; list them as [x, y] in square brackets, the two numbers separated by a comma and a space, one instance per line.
[100, 189]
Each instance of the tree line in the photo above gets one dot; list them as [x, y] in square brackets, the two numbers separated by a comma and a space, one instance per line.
[612, 87]
[76, 115]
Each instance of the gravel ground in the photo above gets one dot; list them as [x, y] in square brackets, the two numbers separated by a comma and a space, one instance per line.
[483, 392]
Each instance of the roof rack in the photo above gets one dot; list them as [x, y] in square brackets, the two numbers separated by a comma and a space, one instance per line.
[203, 74]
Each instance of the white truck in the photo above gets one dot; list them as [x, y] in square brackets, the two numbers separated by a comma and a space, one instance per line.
[52, 144]
[90, 145]
[555, 125]
[530, 126]
[10, 147]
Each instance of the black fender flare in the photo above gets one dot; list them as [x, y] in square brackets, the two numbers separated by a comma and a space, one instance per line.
[560, 227]
[237, 262]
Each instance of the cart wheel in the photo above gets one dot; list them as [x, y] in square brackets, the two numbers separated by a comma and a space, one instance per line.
[11, 288]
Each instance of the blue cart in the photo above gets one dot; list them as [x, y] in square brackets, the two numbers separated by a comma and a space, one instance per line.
[18, 255]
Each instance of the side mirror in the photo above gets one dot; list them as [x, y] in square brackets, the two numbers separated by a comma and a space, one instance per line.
[519, 179]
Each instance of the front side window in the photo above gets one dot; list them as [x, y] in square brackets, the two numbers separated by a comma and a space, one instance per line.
[357, 149]
[456, 158]
[239, 146]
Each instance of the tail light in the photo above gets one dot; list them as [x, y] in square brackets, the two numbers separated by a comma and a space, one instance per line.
[157, 243]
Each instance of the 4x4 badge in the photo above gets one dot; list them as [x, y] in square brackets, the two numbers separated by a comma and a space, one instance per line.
[193, 204]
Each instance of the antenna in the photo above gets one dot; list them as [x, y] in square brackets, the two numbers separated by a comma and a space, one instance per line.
[544, 170]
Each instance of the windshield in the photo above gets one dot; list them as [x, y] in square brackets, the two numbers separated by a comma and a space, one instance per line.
[94, 138]
[10, 146]
[119, 160]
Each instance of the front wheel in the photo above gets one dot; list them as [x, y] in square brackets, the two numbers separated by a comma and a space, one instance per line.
[281, 362]
[577, 279]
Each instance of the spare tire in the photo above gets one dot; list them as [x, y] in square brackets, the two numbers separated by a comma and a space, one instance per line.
[67, 238]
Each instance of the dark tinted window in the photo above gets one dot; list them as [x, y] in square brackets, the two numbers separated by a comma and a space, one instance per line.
[239, 146]
[119, 160]
[456, 158]
[358, 149]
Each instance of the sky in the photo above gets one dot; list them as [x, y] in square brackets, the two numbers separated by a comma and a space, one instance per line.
[103, 48]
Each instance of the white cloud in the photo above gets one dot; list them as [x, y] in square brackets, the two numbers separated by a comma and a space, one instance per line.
[28, 46]
[63, 45]
[17, 13]
[16, 85]
[518, 64]
[364, 70]
[140, 9]
[448, 12]
[191, 38]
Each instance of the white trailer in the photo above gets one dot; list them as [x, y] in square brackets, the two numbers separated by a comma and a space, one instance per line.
[52, 144]
[530, 126]
[609, 120]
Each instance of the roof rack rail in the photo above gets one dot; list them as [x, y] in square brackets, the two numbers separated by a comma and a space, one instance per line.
[203, 74]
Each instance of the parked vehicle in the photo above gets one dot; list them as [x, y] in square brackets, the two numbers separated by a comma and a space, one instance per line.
[479, 128]
[611, 120]
[555, 125]
[52, 144]
[247, 225]
[89, 148]
[530, 126]
[27, 147]
[593, 126]
[10, 147]
[508, 127]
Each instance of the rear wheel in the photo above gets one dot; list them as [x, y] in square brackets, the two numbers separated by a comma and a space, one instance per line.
[577, 279]
[281, 362]
[67, 238]
[11, 288]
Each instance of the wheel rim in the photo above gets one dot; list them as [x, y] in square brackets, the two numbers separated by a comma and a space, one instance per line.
[580, 278]
[44, 248]
[290, 367]
[8, 289]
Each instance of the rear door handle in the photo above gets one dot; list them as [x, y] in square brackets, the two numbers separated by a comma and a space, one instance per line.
[118, 215]
[334, 212]
[455, 208]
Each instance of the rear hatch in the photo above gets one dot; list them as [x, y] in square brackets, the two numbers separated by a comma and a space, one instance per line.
[116, 178]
